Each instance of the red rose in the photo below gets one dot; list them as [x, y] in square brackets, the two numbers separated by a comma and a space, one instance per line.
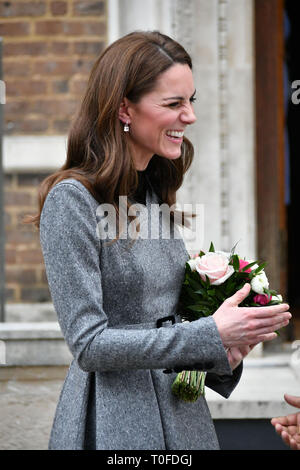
[262, 299]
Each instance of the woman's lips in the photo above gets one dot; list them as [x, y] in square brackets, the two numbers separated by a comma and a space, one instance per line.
[175, 136]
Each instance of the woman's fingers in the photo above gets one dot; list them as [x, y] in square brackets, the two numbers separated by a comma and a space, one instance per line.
[269, 310]
[268, 320]
[267, 337]
[239, 296]
[260, 335]
[236, 354]
[240, 326]
[256, 327]
[292, 400]
[263, 330]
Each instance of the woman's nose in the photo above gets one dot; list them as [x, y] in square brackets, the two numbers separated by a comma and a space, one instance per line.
[188, 115]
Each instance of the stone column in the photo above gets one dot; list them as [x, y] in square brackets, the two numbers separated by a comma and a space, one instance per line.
[195, 26]
[125, 16]
[218, 35]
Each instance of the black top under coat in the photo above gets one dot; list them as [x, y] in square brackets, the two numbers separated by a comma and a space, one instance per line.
[143, 185]
[147, 181]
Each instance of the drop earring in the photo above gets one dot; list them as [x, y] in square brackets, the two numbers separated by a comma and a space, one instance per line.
[126, 127]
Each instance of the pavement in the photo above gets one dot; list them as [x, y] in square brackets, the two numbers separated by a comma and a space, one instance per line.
[260, 392]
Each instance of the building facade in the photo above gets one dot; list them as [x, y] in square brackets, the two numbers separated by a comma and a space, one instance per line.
[48, 50]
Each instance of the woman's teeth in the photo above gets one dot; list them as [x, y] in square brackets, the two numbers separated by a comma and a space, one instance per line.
[178, 134]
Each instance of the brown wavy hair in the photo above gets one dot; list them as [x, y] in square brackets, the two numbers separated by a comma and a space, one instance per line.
[98, 153]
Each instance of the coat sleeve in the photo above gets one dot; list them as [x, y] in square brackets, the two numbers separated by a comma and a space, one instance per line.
[71, 250]
[224, 384]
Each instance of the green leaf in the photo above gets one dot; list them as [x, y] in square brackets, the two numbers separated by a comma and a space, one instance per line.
[267, 291]
[188, 268]
[211, 248]
[200, 291]
[192, 294]
[236, 262]
[233, 249]
[273, 292]
[194, 284]
[260, 268]
[220, 296]
[207, 282]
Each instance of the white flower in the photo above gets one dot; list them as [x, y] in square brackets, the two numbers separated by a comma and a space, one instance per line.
[278, 298]
[260, 282]
[192, 262]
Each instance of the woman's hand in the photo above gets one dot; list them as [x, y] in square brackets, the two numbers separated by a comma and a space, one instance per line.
[236, 355]
[288, 427]
[243, 326]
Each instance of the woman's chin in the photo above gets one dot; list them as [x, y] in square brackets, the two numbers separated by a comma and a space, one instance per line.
[171, 155]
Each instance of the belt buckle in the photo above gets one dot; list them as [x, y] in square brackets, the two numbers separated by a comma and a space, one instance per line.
[159, 324]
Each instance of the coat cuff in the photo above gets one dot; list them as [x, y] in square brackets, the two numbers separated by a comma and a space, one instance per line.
[224, 384]
[206, 335]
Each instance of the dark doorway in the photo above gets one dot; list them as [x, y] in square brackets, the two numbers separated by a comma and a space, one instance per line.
[271, 209]
[292, 150]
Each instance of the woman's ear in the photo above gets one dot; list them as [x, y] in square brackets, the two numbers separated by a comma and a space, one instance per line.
[124, 112]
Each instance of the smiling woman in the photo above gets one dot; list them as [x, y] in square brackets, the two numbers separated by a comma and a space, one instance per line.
[157, 122]
[118, 302]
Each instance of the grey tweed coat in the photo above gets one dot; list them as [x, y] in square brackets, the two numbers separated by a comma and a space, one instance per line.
[108, 298]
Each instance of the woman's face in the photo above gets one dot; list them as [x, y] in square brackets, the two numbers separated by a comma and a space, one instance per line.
[158, 121]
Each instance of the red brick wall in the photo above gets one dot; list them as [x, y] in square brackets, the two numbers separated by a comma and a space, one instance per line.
[24, 268]
[48, 50]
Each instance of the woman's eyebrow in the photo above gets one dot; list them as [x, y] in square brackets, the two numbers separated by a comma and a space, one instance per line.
[178, 97]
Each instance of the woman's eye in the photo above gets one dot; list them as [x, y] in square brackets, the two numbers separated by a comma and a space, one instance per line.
[174, 104]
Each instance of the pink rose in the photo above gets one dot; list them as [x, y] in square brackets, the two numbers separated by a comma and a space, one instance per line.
[262, 299]
[244, 263]
[216, 266]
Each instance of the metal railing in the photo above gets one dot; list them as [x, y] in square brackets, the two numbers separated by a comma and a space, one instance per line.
[2, 227]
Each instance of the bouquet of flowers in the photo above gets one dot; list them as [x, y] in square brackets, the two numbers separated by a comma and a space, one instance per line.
[210, 278]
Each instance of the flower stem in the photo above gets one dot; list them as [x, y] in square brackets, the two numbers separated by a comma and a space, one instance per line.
[189, 385]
